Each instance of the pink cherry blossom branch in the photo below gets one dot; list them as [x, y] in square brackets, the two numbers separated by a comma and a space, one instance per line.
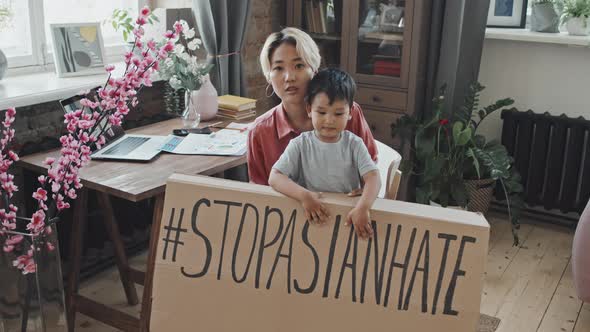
[62, 182]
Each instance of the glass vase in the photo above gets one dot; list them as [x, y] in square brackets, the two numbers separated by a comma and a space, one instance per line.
[32, 301]
[190, 116]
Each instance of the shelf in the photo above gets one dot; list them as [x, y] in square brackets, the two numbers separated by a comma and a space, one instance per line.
[379, 41]
[325, 36]
[537, 37]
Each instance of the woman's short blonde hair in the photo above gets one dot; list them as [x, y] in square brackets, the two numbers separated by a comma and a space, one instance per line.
[304, 44]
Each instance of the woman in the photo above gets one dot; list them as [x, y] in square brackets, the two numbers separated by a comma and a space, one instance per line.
[289, 59]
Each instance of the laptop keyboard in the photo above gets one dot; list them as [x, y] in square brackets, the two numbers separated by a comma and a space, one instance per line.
[126, 146]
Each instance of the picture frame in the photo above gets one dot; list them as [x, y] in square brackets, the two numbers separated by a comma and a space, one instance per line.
[390, 18]
[507, 14]
[78, 48]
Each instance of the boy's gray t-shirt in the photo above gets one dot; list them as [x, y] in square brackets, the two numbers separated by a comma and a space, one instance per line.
[326, 167]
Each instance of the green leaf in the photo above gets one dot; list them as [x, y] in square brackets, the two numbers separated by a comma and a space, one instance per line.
[457, 127]
[482, 114]
[125, 35]
[128, 20]
[496, 160]
[114, 24]
[471, 155]
[433, 167]
[464, 137]
[424, 143]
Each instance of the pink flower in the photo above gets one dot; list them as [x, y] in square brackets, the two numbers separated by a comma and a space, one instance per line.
[30, 267]
[11, 112]
[169, 47]
[11, 242]
[169, 34]
[37, 222]
[50, 246]
[141, 21]
[109, 68]
[13, 155]
[40, 194]
[177, 27]
[49, 161]
[145, 11]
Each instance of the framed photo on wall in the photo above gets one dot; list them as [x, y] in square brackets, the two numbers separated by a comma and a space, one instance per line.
[507, 14]
[78, 49]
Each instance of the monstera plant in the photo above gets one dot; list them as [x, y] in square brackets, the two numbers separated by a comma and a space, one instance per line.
[447, 152]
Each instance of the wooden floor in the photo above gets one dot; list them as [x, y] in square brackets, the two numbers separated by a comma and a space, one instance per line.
[529, 287]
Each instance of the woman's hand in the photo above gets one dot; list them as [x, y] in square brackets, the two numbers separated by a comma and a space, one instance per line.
[315, 211]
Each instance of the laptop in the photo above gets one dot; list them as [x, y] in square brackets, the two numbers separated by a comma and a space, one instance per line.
[118, 146]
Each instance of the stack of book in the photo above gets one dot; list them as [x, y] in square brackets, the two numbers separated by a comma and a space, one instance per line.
[236, 107]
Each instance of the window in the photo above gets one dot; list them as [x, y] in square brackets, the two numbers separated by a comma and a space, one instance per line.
[27, 39]
[15, 38]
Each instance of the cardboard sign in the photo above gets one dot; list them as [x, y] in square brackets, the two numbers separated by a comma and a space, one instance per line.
[240, 257]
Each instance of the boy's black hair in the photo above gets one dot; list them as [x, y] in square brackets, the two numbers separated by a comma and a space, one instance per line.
[335, 83]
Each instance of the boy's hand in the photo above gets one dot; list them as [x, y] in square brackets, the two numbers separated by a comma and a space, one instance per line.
[315, 211]
[361, 219]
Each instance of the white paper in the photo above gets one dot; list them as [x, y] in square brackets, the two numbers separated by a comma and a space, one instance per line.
[221, 143]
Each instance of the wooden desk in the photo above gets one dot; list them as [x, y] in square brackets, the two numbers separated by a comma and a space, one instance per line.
[132, 181]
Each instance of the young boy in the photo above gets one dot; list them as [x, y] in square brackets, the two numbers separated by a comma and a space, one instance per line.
[329, 158]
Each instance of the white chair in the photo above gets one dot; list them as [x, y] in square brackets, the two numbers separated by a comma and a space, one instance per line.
[388, 163]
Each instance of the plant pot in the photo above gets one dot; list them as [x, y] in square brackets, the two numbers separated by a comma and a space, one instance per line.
[577, 26]
[454, 207]
[544, 18]
[581, 256]
[480, 194]
[32, 301]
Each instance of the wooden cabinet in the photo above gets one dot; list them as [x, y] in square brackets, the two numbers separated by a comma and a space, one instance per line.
[380, 43]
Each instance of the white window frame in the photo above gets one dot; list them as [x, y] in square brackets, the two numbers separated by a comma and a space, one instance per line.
[41, 58]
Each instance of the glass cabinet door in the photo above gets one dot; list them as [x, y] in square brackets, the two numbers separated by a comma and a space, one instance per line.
[322, 20]
[380, 35]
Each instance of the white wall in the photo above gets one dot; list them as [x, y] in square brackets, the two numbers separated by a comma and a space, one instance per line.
[538, 76]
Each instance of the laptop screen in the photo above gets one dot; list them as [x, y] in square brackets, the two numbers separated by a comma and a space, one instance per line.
[110, 132]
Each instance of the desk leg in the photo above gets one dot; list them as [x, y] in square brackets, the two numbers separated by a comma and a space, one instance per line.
[146, 303]
[76, 240]
[120, 257]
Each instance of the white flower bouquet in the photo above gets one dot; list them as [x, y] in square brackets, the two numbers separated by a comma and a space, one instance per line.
[182, 69]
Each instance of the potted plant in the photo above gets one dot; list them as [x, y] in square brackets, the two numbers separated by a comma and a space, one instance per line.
[122, 20]
[575, 14]
[544, 18]
[448, 155]
[185, 72]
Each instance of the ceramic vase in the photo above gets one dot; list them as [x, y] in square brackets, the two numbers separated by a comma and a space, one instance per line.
[577, 26]
[206, 100]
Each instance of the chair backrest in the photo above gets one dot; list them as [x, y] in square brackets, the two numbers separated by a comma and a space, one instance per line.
[388, 164]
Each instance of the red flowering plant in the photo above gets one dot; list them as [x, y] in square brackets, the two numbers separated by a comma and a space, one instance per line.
[110, 102]
[447, 151]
